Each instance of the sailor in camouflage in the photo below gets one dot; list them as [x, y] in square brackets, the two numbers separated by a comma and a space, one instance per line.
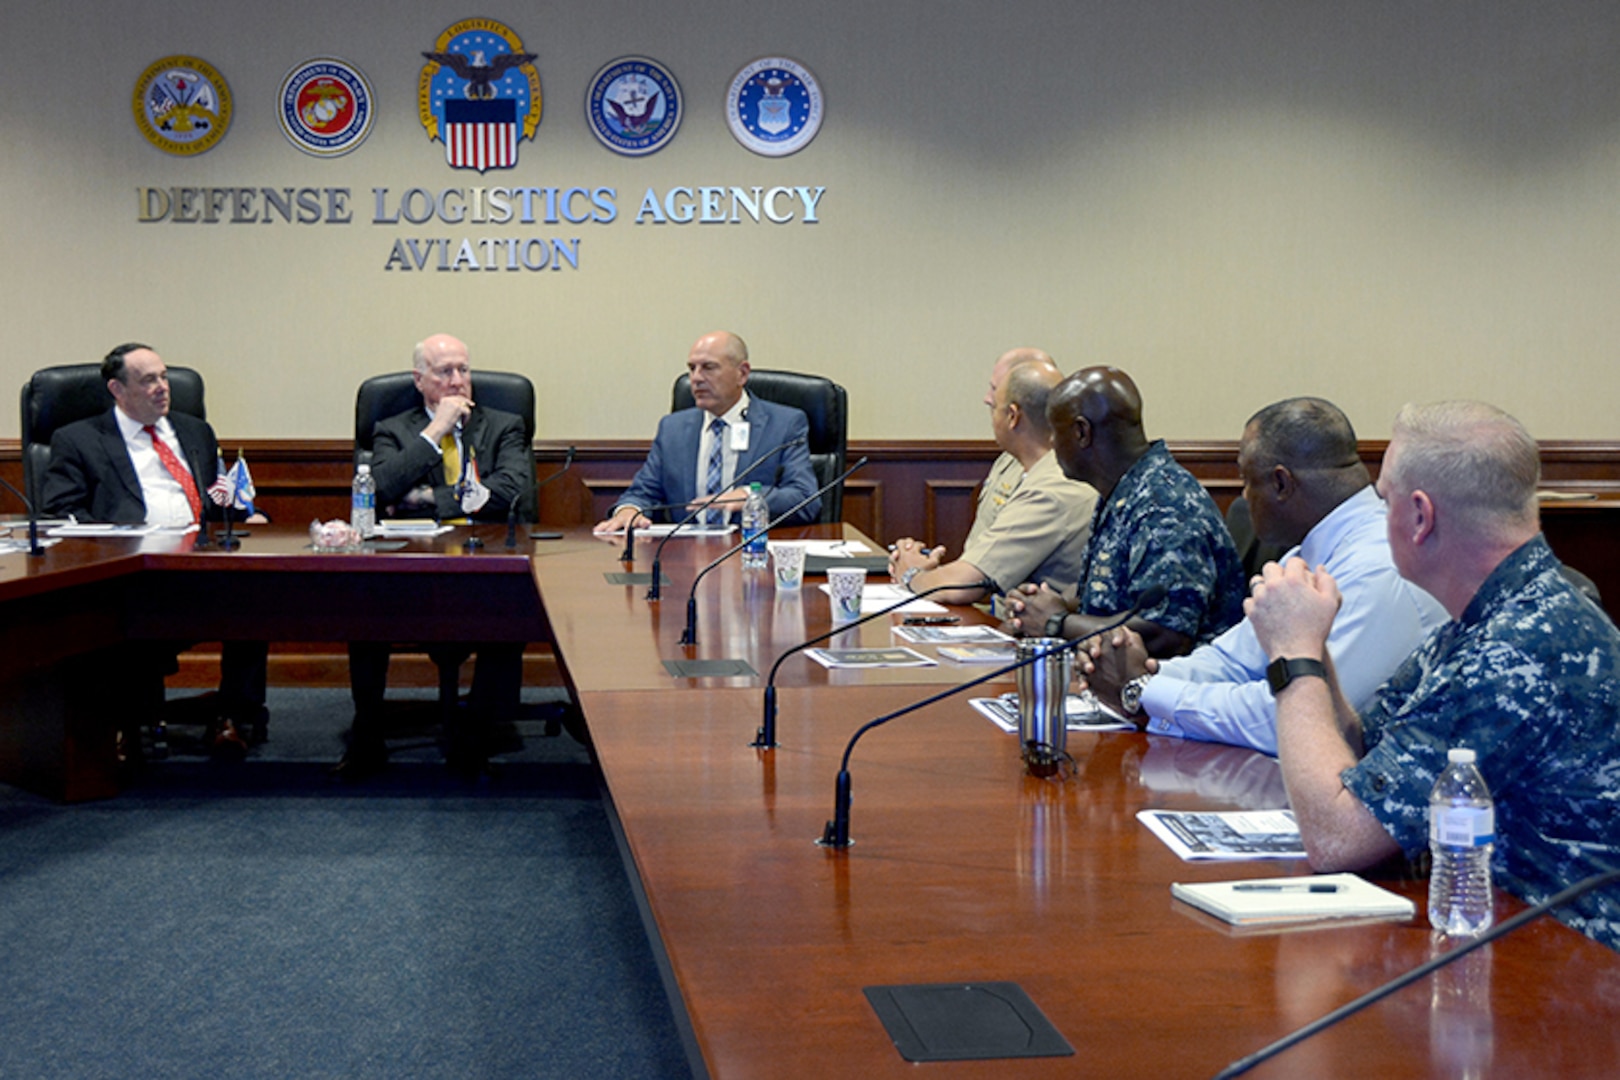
[1154, 525]
[1527, 674]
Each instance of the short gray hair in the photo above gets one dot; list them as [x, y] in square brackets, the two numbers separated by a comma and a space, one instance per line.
[1473, 458]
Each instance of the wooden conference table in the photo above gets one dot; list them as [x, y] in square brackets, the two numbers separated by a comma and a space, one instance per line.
[963, 868]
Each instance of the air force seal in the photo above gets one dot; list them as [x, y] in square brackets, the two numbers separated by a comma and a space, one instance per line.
[634, 105]
[774, 106]
[479, 94]
[182, 105]
[326, 107]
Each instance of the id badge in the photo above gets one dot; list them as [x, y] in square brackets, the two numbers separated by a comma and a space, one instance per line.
[739, 435]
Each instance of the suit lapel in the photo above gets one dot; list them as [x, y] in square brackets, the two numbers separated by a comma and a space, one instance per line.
[112, 445]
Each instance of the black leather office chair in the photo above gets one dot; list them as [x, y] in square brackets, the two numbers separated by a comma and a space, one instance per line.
[57, 396]
[1252, 551]
[383, 396]
[824, 403]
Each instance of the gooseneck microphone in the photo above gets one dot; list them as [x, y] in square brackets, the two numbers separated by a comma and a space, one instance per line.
[511, 511]
[689, 637]
[1574, 892]
[34, 546]
[653, 592]
[836, 833]
[765, 738]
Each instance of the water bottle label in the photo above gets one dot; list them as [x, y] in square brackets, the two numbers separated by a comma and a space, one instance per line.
[1462, 826]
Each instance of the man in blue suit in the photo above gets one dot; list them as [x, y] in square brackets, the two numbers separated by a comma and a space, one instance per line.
[699, 451]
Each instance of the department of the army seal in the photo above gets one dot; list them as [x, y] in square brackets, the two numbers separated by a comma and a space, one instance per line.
[182, 105]
[774, 106]
[325, 107]
[633, 105]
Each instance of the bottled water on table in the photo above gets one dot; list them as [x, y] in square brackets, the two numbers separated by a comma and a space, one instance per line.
[363, 504]
[755, 516]
[1462, 835]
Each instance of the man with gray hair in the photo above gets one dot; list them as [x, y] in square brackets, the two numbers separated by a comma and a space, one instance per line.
[1526, 673]
[1032, 521]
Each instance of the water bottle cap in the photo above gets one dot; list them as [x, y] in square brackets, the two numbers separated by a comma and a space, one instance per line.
[753, 486]
[364, 469]
[1460, 755]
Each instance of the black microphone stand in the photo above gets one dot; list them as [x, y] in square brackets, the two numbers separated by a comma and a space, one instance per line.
[765, 738]
[689, 636]
[836, 834]
[1574, 892]
[35, 548]
[511, 513]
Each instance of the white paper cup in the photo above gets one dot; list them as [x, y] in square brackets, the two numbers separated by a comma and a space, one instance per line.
[788, 558]
[846, 583]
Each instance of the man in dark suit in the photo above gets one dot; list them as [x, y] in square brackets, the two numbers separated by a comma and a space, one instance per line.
[138, 463]
[454, 462]
[699, 451]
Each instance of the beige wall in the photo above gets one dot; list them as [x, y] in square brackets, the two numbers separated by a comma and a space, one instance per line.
[1236, 201]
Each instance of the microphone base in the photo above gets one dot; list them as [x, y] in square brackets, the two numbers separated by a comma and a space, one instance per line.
[829, 839]
[472, 543]
[763, 741]
[228, 541]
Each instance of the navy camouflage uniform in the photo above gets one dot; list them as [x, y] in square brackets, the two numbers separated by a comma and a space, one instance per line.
[1159, 526]
[1529, 678]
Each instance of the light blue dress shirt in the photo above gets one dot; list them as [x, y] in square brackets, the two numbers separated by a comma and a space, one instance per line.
[1218, 692]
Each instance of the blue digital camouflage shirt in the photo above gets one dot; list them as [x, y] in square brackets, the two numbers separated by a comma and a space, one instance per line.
[1159, 526]
[1529, 678]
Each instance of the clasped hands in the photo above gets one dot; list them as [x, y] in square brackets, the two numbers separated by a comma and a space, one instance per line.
[907, 553]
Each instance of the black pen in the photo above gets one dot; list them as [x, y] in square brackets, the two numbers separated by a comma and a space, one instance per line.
[1316, 886]
[932, 620]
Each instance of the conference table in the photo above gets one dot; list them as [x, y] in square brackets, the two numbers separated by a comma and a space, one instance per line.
[964, 869]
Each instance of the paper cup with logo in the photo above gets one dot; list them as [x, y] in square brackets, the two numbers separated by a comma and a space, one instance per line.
[787, 556]
[846, 583]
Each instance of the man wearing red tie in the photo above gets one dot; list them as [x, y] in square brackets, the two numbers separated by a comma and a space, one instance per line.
[135, 464]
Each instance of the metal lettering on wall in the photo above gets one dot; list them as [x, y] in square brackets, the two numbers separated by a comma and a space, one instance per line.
[402, 209]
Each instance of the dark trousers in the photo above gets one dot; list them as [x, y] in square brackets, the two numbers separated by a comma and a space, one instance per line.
[496, 688]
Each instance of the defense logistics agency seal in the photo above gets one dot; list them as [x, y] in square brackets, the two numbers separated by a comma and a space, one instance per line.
[480, 94]
[774, 106]
[633, 105]
[326, 107]
[182, 105]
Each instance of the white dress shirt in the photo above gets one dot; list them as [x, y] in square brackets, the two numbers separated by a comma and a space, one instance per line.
[166, 502]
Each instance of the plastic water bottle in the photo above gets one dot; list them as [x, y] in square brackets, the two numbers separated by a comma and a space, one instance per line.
[363, 505]
[1462, 834]
[755, 516]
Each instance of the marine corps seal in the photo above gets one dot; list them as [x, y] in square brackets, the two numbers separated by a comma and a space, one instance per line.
[325, 107]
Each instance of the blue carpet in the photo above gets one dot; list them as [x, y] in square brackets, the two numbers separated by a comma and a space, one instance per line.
[261, 920]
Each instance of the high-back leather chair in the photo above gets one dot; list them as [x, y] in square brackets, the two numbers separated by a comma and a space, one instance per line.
[383, 396]
[824, 403]
[57, 396]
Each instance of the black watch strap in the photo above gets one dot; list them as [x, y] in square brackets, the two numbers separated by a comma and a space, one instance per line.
[1284, 670]
[1054, 625]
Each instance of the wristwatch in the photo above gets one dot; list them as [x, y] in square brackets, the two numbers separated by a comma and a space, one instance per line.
[905, 578]
[1054, 625]
[1284, 670]
[1130, 695]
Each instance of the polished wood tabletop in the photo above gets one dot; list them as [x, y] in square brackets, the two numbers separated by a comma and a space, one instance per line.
[965, 869]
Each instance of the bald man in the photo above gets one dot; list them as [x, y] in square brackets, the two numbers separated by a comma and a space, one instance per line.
[700, 451]
[1154, 525]
[1032, 521]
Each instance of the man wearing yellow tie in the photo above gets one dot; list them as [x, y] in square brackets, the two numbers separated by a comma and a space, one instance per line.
[453, 461]
[422, 458]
